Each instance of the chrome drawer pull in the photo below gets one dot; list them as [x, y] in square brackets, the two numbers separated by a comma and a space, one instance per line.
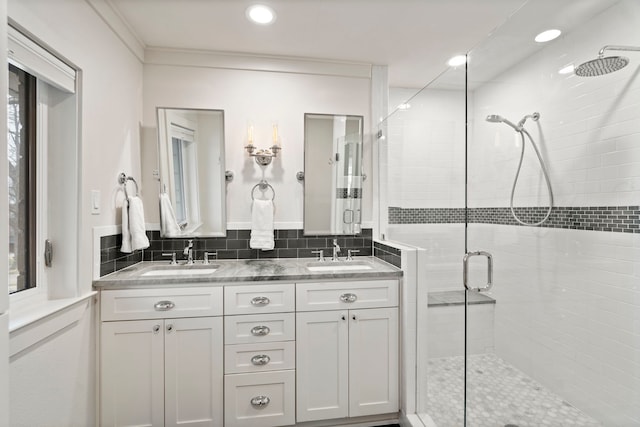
[260, 401]
[260, 301]
[164, 305]
[348, 297]
[260, 330]
[260, 359]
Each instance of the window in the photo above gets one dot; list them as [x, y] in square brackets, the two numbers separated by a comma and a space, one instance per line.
[43, 174]
[21, 153]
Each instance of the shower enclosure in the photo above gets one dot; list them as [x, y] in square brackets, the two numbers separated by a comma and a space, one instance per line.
[556, 339]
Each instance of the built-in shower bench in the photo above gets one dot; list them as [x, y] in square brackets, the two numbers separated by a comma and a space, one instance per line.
[446, 298]
[446, 324]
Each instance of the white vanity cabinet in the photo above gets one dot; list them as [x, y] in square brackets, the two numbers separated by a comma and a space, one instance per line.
[259, 381]
[161, 357]
[347, 349]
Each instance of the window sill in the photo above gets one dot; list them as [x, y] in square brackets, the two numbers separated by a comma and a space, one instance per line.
[32, 323]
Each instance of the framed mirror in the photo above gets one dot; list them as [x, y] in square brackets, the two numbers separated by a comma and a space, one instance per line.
[192, 172]
[332, 174]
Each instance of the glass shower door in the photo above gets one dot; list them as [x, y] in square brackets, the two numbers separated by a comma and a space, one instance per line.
[555, 340]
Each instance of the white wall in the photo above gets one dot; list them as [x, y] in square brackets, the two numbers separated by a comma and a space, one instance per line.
[588, 127]
[56, 376]
[111, 105]
[259, 97]
[52, 383]
[426, 149]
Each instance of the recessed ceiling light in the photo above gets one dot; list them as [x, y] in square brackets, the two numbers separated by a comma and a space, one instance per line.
[547, 36]
[457, 60]
[261, 14]
[566, 70]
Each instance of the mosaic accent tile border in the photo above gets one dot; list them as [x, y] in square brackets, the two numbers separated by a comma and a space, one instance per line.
[349, 193]
[617, 219]
[425, 215]
[288, 244]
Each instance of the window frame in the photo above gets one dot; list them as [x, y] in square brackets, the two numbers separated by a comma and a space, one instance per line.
[31, 136]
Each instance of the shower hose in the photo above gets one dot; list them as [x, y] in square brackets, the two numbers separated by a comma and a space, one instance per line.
[522, 131]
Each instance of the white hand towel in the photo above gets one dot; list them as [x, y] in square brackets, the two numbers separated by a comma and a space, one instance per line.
[262, 225]
[134, 236]
[126, 234]
[168, 222]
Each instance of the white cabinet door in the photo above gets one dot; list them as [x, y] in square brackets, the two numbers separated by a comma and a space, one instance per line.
[322, 341]
[193, 372]
[373, 361]
[132, 373]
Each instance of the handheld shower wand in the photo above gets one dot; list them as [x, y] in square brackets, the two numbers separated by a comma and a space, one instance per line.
[519, 128]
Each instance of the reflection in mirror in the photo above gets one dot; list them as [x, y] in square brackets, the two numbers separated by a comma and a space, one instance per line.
[332, 174]
[191, 168]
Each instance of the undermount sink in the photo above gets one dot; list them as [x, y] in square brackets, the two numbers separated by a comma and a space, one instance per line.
[338, 266]
[184, 270]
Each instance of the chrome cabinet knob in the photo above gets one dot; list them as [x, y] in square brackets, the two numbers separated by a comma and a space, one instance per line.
[260, 359]
[348, 297]
[164, 305]
[260, 301]
[169, 328]
[156, 329]
[260, 330]
[260, 401]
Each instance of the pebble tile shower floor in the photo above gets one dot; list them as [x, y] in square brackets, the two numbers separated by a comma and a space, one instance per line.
[499, 395]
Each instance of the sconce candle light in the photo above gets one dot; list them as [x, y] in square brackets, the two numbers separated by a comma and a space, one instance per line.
[263, 156]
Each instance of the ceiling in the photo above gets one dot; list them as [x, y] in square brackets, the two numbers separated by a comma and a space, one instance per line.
[415, 38]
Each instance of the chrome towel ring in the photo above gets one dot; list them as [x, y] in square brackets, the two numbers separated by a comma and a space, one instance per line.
[263, 186]
[122, 179]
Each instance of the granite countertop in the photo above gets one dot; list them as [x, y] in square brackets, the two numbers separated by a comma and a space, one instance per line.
[250, 270]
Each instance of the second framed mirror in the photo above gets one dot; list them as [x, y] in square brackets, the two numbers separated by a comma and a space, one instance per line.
[332, 174]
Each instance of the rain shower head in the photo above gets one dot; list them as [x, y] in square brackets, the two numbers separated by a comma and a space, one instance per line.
[605, 64]
[601, 66]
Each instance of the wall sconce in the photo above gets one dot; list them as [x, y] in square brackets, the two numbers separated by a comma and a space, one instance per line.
[263, 156]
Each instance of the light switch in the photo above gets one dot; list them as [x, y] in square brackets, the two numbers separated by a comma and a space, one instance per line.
[95, 202]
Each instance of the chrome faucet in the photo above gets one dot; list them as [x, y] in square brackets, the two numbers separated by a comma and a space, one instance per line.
[336, 250]
[188, 252]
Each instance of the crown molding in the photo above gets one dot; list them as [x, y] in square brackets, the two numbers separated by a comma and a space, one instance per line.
[106, 10]
[254, 62]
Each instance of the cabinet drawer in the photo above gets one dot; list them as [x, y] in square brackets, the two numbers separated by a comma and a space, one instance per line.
[316, 296]
[259, 357]
[131, 304]
[271, 298]
[264, 399]
[257, 328]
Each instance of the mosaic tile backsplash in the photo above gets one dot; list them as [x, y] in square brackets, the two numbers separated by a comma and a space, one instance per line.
[288, 244]
[620, 219]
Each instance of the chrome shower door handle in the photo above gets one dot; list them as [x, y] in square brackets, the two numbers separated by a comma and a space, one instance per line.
[465, 271]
